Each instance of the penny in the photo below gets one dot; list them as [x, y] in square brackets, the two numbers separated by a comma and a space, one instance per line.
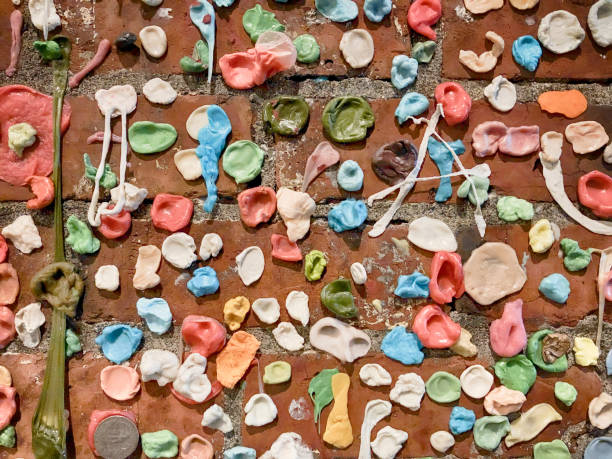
[116, 437]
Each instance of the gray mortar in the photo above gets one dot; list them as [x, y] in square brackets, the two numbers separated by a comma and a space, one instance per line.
[32, 72]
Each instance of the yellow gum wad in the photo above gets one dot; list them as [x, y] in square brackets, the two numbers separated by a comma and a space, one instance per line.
[531, 423]
[338, 431]
[235, 311]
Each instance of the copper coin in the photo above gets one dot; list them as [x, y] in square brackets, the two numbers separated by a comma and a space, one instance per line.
[116, 437]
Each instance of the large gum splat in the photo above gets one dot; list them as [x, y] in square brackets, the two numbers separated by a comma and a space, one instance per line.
[339, 339]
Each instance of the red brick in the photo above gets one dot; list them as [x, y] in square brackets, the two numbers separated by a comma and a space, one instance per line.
[156, 172]
[509, 175]
[231, 37]
[588, 62]
[436, 415]
[6, 9]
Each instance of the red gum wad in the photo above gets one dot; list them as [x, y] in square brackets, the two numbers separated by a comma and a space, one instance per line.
[422, 15]
[203, 334]
[115, 226]
[435, 329]
[257, 205]
[446, 277]
[171, 212]
[20, 104]
[456, 102]
[284, 249]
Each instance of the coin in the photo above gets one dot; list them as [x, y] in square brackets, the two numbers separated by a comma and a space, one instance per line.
[116, 437]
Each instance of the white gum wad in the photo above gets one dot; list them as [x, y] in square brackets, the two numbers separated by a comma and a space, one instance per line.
[372, 374]
[147, 264]
[23, 234]
[487, 60]
[531, 423]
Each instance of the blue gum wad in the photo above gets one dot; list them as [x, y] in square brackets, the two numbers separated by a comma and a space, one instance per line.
[156, 313]
[403, 346]
[80, 237]
[403, 71]
[599, 448]
[162, 443]
[108, 179]
[347, 215]
[412, 104]
[203, 282]
[212, 139]
[527, 52]
[119, 342]
[350, 176]
[337, 10]
[240, 452]
[482, 190]
[7, 437]
[511, 209]
[609, 363]
[555, 287]
[415, 285]
[444, 160]
[207, 29]
[224, 3]
[461, 420]
[574, 258]
[376, 10]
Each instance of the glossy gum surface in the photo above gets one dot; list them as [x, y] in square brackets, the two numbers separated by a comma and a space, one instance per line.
[446, 277]
[284, 249]
[171, 212]
[257, 205]
[422, 15]
[204, 335]
[507, 334]
[455, 101]
[435, 329]
[595, 192]
[115, 226]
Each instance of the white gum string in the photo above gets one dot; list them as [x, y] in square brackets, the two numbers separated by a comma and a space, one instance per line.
[92, 217]
[605, 262]
[122, 168]
[46, 20]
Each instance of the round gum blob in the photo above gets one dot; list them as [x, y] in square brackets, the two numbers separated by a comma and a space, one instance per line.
[115, 226]
[443, 387]
[120, 382]
[526, 51]
[357, 47]
[435, 329]
[394, 161]
[560, 32]
[147, 137]
[257, 205]
[586, 136]
[347, 119]
[595, 192]
[534, 353]
[600, 23]
[476, 381]
[204, 335]
[196, 447]
[308, 50]
[502, 401]
[455, 101]
[482, 6]
[242, 160]
[286, 115]
[8, 405]
[517, 373]
[171, 212]
[9, 284]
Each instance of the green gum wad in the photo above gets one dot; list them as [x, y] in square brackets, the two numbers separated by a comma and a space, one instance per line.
[534, 353]
[162, 443]
[314, 265]
[575, 258]
[257, 21]
[338, 298]
[347, 119]
[147, 137]
[80, 237]
[73, 344]
[286, 115]
[565, 393]
[199, 60]
[443, 387]
[555, 449]
[308, 50]
[489, 431]
[108, 179]
[277, 372]
[243, 160]
[511, 209]
[482, 190]
[423, 51]
[59, 285]
[20, 136]
[7, 437]
[48, 50]
[517, 373]
[320, 390]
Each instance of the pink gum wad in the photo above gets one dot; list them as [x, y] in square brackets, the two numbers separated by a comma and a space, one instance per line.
[608, 286]
[435, 329]
[502, 401]
[422, 14]
[595, 192]
[171, 212]
[97, 416]
[507, 334]
[196, 447]
[446, 277]
[204, 335]
[491, 136]
[115, 226]
[245, 70]
[456, 102]
[323, 156]
[42, 188]
[9, 284]
[7, 326]
[3, 249]
[257, 205]
[284, 249]
[8, 405]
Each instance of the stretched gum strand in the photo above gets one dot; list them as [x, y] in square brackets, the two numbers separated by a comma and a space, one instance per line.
[16, 25]
[103, 49]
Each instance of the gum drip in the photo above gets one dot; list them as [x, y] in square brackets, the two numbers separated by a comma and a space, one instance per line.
[46, 23]
[122, 168]
[408, 183]
[103, 49]
[16, 24]
[605, 264]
